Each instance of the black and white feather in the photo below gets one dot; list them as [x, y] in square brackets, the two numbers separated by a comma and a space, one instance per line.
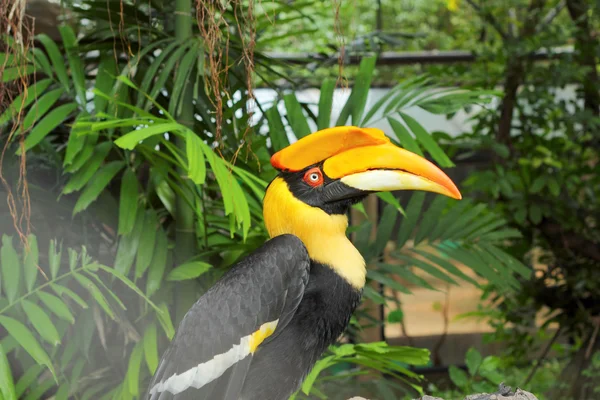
[211, 354]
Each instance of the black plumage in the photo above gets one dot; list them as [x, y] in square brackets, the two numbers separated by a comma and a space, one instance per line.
[278, 281]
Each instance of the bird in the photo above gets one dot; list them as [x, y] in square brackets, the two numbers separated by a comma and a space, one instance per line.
[259, 330]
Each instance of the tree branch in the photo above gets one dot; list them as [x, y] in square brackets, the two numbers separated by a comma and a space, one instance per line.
[532, 18]
[489, 18]
[553, 13]
[586, 47]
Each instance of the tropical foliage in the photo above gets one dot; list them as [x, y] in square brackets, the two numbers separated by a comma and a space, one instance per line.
[138, 157]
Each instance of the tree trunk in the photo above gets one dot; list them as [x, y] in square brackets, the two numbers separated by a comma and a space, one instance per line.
[585, 54]
[515, 75]
[185, 237]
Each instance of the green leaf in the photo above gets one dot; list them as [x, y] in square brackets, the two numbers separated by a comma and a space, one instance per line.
[147, 240]
[182, 74]
[395, 316]
[69, 41]
[404, 136]
[151, 74]
[82, 177]
[107, 69]
[62, 290]
[553, 186]
[241, 208]
[30, 262]
[188, 270]
[360, 91]
[133, 370]
[11, 268]
[128, 202]
[27, 379]
[405, 273]
[40, 107]
[295, 116]
[127, 283]
[48, 124]
[345, 113]
[277, 132]
[430, 218]
[165, 194]
[475, 263]
[384, 229]
[507, 260]
[392, 200]
[14, 73]
[128, 245]
[23, 100]
[97, 184]
[373, 110]
[73, 258]
[538, 184]
[96, 294]
[447, 265]
[151, 348]
[343, 350]
[74, 146]
[387, 280]
[165, 321]
[489, 370]
[460, 228]
[58, 63]
[56, 305]
[158, 264]
[39, 389]
[133, 138]
[63, 392]
[430, 269]
[7, 386]
[84, 155]
[41, 322]
[325, 103]
[373, 295]
[535, 214]
[427, 141]
[413, 211]
[195, 157]
[473, 360]
[322, 364]
[458, 377]
[27, 341]
[42, 61]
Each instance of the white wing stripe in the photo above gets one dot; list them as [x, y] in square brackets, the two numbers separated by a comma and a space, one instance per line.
[210, 370]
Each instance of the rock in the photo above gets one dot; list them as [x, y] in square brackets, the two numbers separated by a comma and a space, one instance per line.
[503, 393]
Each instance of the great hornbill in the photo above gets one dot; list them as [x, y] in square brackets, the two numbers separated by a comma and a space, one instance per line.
[259, 330]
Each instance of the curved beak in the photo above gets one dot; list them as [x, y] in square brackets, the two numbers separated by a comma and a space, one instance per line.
[363, 160]
[386, 167]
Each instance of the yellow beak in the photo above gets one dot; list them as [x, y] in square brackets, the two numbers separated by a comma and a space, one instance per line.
[385, 168]
[364, 159]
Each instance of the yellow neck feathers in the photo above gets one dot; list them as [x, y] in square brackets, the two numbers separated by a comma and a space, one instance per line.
[323, 235]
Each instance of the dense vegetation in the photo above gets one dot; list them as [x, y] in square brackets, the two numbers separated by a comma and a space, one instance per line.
[135, 164]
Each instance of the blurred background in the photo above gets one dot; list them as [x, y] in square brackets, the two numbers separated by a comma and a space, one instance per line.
[136, 141]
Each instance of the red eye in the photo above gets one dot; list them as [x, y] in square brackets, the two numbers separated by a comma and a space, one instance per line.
[314, 177]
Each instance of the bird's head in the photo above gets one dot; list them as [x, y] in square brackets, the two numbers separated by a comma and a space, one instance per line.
[323, 174]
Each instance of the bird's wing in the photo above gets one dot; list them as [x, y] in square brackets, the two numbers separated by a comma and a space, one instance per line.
[214, 344]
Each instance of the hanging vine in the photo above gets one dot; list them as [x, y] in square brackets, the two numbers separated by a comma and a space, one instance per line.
[16, 40]
[215, 30]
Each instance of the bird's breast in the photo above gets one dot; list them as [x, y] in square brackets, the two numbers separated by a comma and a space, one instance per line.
[280, 366]
[326, 308]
